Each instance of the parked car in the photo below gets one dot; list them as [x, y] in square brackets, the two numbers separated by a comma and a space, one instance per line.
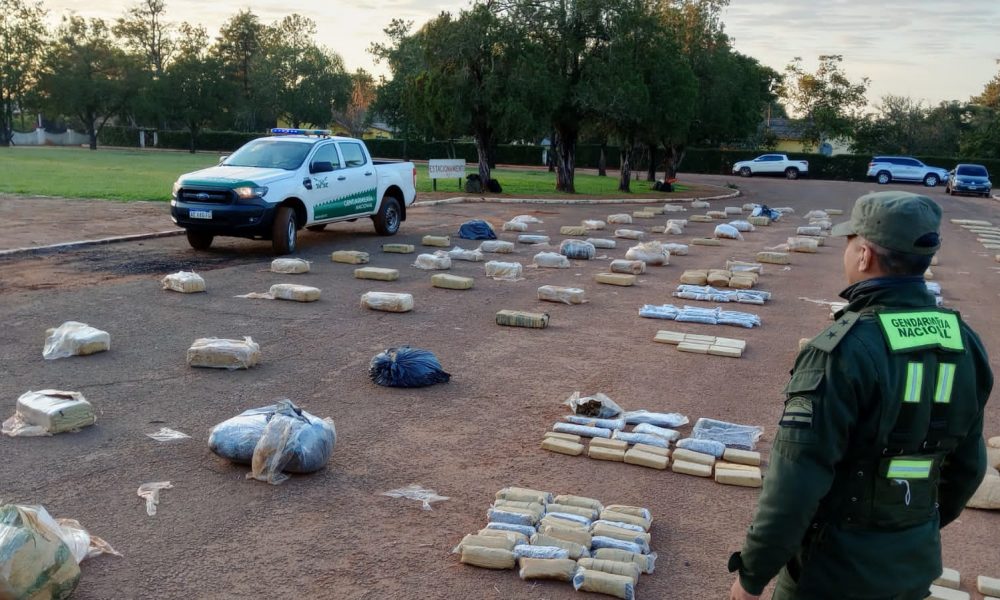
[772, 164]
[886, 169]
[274, 186]
[969, 179]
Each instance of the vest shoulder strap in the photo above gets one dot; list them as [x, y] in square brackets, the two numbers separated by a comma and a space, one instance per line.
[832, 335]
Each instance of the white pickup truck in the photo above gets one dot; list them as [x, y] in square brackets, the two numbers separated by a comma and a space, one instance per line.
[771, 164]
[274, 186]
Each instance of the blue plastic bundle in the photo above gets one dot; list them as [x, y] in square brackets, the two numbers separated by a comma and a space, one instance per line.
[407, 367]
[476, 230]
[308, 448]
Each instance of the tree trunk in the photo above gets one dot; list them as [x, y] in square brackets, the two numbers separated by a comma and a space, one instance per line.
[92, 133]
[483, 154]
[552, 152]
[566, 160]
[625, 178]
[653, 163]
[675, 154]
[602, 161]
[194, 134]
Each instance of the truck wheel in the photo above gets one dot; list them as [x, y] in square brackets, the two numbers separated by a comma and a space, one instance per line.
[883, 177]
[284, 233]
[199, 240]
[388, 218]
[931, 180]
[745, 172]
[791, 173]
[317, 227]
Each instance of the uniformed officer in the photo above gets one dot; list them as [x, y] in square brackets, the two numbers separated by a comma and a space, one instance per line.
[880, 444]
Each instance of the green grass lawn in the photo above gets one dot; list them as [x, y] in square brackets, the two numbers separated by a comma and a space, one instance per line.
[149, 175]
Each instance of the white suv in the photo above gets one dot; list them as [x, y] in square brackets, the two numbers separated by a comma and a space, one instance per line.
[885, 169]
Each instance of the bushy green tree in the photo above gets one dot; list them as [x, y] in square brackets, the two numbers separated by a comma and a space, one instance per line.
[193, 77]
[827, 101]
[22, 44]
[86, 75]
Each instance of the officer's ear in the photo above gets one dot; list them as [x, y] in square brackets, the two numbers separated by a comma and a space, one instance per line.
[867, 259]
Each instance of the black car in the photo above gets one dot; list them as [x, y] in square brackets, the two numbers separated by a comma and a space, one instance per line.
[969, 179]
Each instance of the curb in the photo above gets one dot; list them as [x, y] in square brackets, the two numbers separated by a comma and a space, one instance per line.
[84, 243]
[568, 201]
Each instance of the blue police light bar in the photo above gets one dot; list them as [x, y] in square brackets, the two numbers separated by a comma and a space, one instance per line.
[286, 131]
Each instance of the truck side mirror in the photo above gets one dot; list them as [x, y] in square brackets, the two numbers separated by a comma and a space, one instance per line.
[320, 167]
[223, 158]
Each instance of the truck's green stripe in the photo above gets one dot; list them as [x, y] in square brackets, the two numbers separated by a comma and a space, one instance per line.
[352, 204]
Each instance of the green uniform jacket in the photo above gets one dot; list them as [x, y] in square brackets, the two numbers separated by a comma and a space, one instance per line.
[843, 386]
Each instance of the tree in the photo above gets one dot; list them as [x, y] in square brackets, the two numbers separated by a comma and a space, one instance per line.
[143, 31]
[474, 81]
[827, 101]
[239, 46]
[901, 126]
[733, 90]
[85, 75]
[990, 98]
[403, 54]
[297, 80]
[357, 116]
[983, 131]
[643, 88]
[193, 76]
[22, 44]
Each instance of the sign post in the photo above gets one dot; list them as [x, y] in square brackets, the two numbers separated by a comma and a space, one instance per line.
[446, 168]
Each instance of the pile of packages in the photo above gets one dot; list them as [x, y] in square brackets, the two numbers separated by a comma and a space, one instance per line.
[710, 294]
[708, 316]
[651, 439]
[597, 548]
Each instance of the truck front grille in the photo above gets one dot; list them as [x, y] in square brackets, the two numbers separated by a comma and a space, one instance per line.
[206, 195]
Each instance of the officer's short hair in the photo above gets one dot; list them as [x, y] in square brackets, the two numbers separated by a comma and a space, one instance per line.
[901, 263]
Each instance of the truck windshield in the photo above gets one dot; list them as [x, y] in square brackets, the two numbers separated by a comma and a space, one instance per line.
[973, 171]
[270, 154]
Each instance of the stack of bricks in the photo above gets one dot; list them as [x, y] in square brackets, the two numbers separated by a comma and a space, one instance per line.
[702, 344]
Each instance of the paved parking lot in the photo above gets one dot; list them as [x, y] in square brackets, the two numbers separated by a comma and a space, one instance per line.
[331, 534]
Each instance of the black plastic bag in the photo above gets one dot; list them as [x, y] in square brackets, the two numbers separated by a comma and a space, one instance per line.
[476, 230]
[407, 367]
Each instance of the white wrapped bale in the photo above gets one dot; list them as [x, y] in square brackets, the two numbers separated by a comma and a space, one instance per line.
[289, 266]
[551, 260]
[620, 219]
[515, 226]
[296, 293]
[74, 339]
[526, 219]
[809, 231]
[439, 261]
[577, 249]
[602, 243]
[533, 239]
[635, 267]
[566, 295]
[504, 271]
[728, 232]
[387, 301]
[185, 282]
[496, 247]
[629, 234]
[457, 253]
[802, 244]
[47, 412]
[742, 226]
[441, 241]
[216, 353]
[376, 273]
[652, 253]
[593, 225]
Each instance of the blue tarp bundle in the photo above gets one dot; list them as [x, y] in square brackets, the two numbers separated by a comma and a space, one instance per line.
[476, 230]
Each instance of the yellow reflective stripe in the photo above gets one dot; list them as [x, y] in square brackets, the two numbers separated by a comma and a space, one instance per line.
[909, 469]
[914, 382]
[946, 378]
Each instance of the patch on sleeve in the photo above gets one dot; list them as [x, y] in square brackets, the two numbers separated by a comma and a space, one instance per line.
[798, 413]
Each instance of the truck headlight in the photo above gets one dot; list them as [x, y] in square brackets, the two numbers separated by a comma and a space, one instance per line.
[177, 188]
[248, 192]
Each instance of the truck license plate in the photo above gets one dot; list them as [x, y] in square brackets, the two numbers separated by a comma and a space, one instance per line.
[200, 214]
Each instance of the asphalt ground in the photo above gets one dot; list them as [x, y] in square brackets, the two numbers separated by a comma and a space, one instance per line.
[331, 534]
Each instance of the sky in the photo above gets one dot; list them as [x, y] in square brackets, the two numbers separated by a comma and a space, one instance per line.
[929, 50]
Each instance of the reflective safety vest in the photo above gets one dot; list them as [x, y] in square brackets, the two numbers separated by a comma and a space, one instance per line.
[893, 484]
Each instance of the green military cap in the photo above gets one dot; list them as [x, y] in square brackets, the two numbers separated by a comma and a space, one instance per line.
[900, 221]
